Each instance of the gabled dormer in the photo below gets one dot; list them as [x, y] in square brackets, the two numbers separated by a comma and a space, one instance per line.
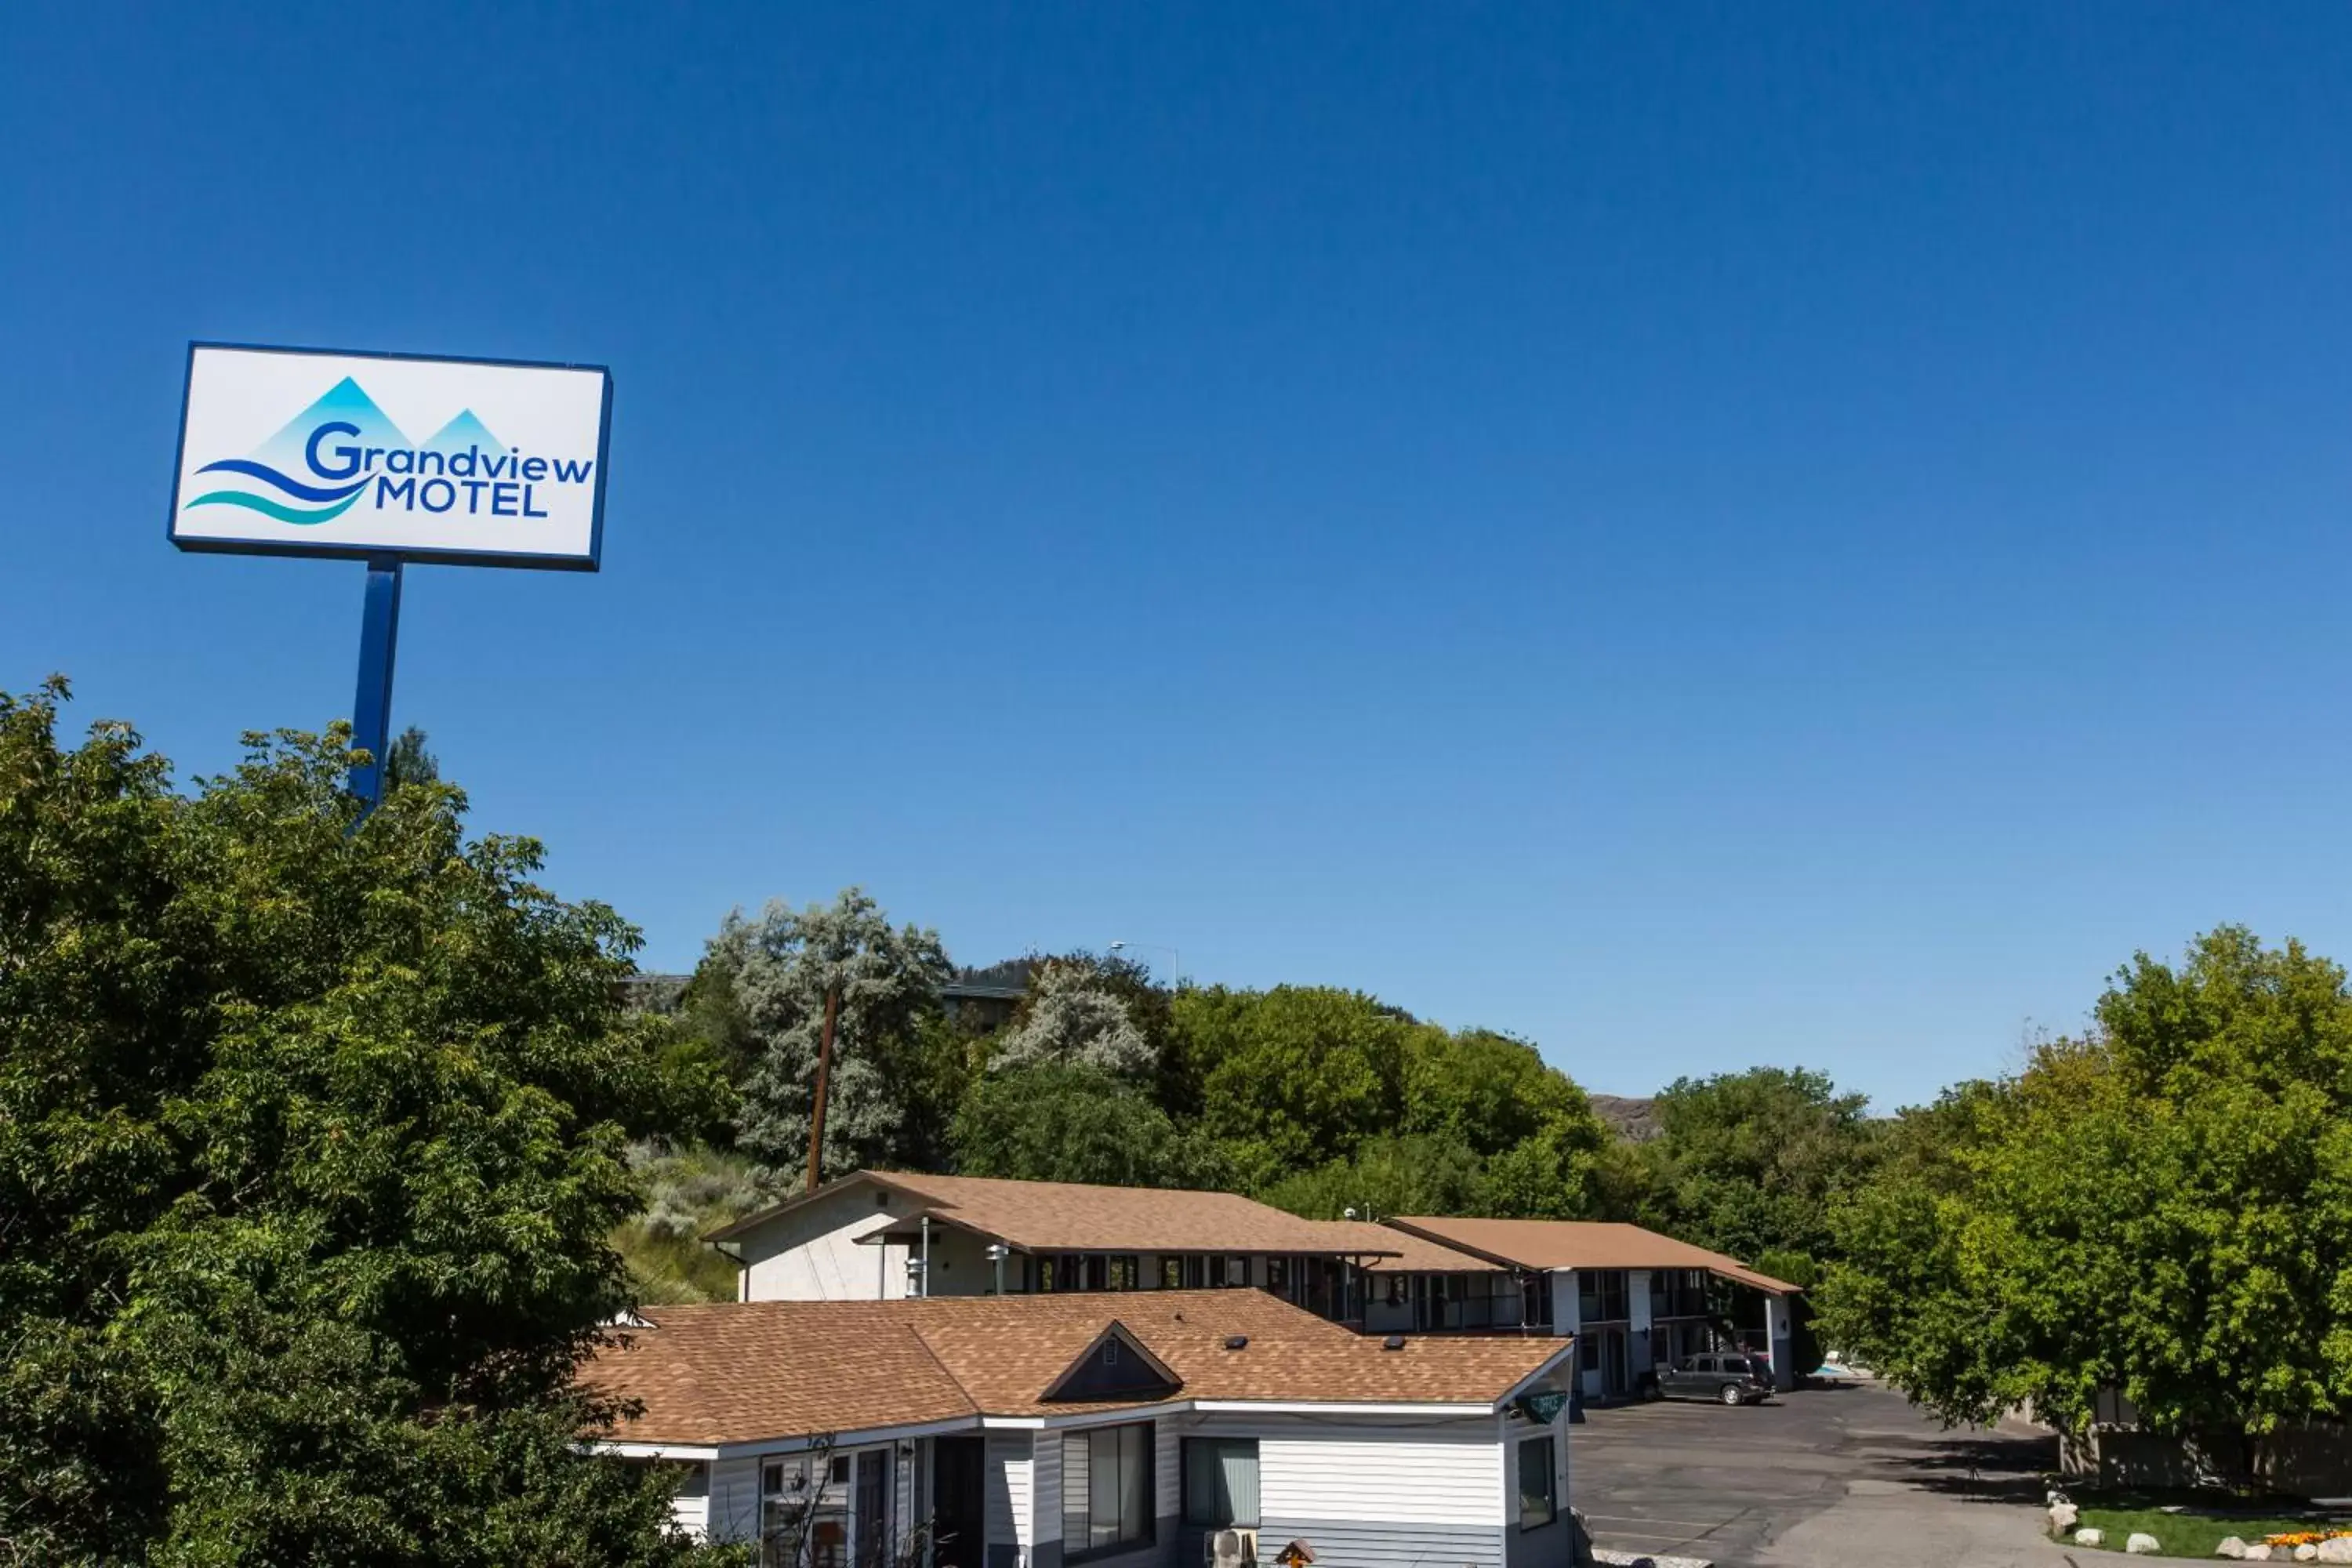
[1116, 1368]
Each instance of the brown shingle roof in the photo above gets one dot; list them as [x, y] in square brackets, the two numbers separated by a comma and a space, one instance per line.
[1581, 1244]
[1046, 1216]
[749, 1371]
[1415, 1254]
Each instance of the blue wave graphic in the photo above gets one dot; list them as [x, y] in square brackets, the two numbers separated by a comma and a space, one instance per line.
[292, 486]
[269, 507]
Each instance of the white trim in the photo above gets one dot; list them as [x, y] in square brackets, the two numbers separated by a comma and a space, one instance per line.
[655, 1450]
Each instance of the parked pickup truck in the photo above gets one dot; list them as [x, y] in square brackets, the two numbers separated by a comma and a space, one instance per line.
[1725, 1375]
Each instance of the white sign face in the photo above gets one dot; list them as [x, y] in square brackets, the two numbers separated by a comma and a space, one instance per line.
[296, 452]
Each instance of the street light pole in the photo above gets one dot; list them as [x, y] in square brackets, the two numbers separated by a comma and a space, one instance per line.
[824, 1072]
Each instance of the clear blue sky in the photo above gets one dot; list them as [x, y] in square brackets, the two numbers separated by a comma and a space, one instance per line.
[1699, 534]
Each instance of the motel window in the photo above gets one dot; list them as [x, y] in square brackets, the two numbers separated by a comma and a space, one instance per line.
[1396, 1290]
[800, 1527]
[1237, 1271]
[1277, 1275]
[1588, 1351]
[1601, 1295]
[1105, 1490]
[1221, 1482]
[1538, 1498]
[1535, 1299]
[1171, 1274]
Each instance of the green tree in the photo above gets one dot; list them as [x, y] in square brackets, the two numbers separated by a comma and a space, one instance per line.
[1060, 1121]
[410, 762]
[2163, 1208]
[311, 1131]
[712, 1008]
[888, 979]
[1750, 1163]
[1424, 1174]
[1293, 1077]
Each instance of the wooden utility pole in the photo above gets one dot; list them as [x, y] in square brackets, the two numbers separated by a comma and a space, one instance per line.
[823, 1071]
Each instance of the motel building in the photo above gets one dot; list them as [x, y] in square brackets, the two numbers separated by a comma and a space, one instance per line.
[1170, 1427]
[1633, 1299]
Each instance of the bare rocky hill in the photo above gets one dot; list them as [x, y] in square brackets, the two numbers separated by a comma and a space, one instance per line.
[1635, 1120]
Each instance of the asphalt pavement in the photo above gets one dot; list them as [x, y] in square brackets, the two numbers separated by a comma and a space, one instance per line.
[1825, 1477]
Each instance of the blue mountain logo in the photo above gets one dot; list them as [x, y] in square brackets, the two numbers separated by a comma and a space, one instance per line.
[463, 433]
[316, 468]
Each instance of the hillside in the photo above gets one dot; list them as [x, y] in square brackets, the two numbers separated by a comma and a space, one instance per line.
[1635, 1120]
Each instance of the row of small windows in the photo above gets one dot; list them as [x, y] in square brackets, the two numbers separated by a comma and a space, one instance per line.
[1124, 1271]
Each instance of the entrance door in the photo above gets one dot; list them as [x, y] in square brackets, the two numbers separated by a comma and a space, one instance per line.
[958, 1502]
[875, 1549]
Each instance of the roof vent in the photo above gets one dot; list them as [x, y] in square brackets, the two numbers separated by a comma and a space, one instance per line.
[1393, 1342]
[1236, 1341]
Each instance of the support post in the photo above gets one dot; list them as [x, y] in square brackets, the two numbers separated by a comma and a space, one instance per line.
[372, 706]
[824, 1072]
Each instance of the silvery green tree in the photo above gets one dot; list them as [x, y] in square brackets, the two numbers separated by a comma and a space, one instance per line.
[1073, 1017]
[888, 978]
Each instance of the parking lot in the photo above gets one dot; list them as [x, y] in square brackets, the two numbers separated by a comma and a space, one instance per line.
[1821, 1477]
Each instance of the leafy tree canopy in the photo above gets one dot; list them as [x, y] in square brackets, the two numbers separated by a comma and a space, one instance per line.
[311, 1131]
[410, 761]
[1386, 1175]
[1748, 1163]
[1063, 1122]
[1293, 1076]
[2163, 1208]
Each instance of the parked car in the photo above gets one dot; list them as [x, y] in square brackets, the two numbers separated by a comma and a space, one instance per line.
[1727, 1376]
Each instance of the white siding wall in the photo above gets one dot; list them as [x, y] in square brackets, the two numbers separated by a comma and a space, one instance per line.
[734, 1500]
[691, 1514]
[1388, 1480]
[1167, 1470]
[1012, 1491]
[1045, 1488]
[812, 1254]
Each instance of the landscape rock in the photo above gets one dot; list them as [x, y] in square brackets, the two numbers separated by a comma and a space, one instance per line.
[2063, 1516]
[2089, 1535]
[2143, 1545]
[2230, 1547]
[2259, 1551]
[2307, 1552]
[2336, 1549]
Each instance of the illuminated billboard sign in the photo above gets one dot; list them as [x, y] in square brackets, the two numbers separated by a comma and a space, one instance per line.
[384, 456]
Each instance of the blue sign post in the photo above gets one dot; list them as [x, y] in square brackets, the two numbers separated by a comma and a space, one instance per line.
[372, 706]
[311, 452]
